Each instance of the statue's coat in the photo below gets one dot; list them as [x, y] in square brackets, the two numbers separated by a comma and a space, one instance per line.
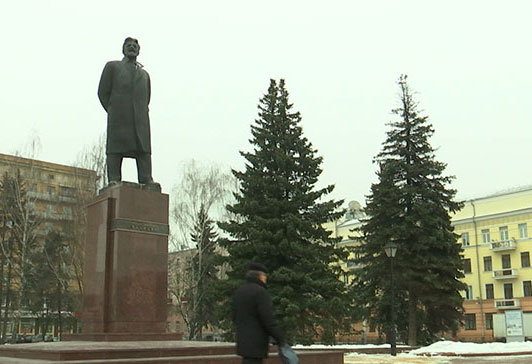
[124, 92]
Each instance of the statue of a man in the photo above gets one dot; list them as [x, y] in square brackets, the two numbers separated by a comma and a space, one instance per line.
[124, 92]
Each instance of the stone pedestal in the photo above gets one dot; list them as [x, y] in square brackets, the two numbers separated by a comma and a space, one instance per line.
[126, 265]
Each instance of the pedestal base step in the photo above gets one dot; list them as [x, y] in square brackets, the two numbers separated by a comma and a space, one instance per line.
[143, 352]
[106, 337]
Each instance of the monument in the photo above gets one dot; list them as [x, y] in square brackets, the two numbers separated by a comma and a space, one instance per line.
[126, 251]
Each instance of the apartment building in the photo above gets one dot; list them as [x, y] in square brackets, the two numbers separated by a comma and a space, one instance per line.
[495, 234]
[53, 190]
[55, 196]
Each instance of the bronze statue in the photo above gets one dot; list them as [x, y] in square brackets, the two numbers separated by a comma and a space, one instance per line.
[124, 92]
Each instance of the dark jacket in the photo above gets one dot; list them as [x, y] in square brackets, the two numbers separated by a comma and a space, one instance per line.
[254, 321]
[124, 92]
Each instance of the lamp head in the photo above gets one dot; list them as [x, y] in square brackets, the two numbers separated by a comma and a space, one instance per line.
[391, 249]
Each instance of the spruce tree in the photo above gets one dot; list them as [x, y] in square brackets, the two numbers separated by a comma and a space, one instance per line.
[410, 205]
[278, 217]
[203, 273]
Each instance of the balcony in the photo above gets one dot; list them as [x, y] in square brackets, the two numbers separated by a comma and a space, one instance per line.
[502, 245]
[505, 273]
[507, 304]
[50, 197]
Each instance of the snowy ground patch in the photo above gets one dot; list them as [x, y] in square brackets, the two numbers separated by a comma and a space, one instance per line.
[352, 358]
[459, 348]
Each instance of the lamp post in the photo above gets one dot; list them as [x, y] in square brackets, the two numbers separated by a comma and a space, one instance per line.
[391, 249]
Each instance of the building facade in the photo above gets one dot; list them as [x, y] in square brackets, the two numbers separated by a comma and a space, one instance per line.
[346, 229]
[495, 235]
[55, 197]
[53, 190]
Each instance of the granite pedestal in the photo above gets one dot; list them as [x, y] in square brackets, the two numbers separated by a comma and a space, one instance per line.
[126, 265]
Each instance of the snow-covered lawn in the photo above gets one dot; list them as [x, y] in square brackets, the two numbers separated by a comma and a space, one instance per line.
[473, 348]
[439, 352]
[400, 358]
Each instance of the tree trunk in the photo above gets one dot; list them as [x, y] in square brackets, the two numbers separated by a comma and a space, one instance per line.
[8, 301]
[59, 308]
[412, 319]
[2, 264]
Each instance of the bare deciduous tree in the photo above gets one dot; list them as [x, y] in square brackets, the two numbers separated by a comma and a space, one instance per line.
[92, 157]
[18, 245]
[199, 198]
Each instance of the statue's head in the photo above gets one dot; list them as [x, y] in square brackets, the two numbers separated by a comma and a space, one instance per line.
[131, 47]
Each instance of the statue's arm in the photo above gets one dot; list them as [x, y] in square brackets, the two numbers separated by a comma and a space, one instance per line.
[149, 89]
[105, 86]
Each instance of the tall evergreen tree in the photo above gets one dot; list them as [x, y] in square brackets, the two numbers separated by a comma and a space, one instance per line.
[410, 205]
[278, 217]
[203, 272]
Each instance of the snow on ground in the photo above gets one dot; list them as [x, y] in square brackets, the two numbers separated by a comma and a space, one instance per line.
[353, 358]
[442, 347]
[437, 351]
[473, 348]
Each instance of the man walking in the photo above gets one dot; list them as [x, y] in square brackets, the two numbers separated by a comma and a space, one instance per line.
[253, 317]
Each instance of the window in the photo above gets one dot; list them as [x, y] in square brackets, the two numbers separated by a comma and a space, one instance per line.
[467, 265]
[372, 326]
[523, 231]
[486, 236]
[465, 239]
[503, 232]
[51, 190]
[489, 291]
[487, 264]
[506, 261]
[48, 226]
[489, 321]
[470, 321]
[527, 288]
[469, 293]
[67, 211]
[508, 291]
[67, 191]
[525, 259]
[50, 209]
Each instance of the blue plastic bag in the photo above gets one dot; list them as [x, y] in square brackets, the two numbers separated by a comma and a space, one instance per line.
[287, 355]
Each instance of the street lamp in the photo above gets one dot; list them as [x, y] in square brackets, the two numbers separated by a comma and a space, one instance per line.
[391, 249]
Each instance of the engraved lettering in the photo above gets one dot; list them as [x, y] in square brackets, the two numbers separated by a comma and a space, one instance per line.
[140, 226]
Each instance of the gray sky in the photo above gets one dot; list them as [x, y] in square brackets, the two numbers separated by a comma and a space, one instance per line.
[211, 61]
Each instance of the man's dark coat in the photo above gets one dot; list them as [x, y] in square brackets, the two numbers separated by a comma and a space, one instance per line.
[254, 321]
[124, 92]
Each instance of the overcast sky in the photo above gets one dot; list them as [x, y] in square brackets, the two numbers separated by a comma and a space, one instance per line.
[210, 62]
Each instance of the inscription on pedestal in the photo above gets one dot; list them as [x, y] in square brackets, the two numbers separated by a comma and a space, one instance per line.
[140, 226]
